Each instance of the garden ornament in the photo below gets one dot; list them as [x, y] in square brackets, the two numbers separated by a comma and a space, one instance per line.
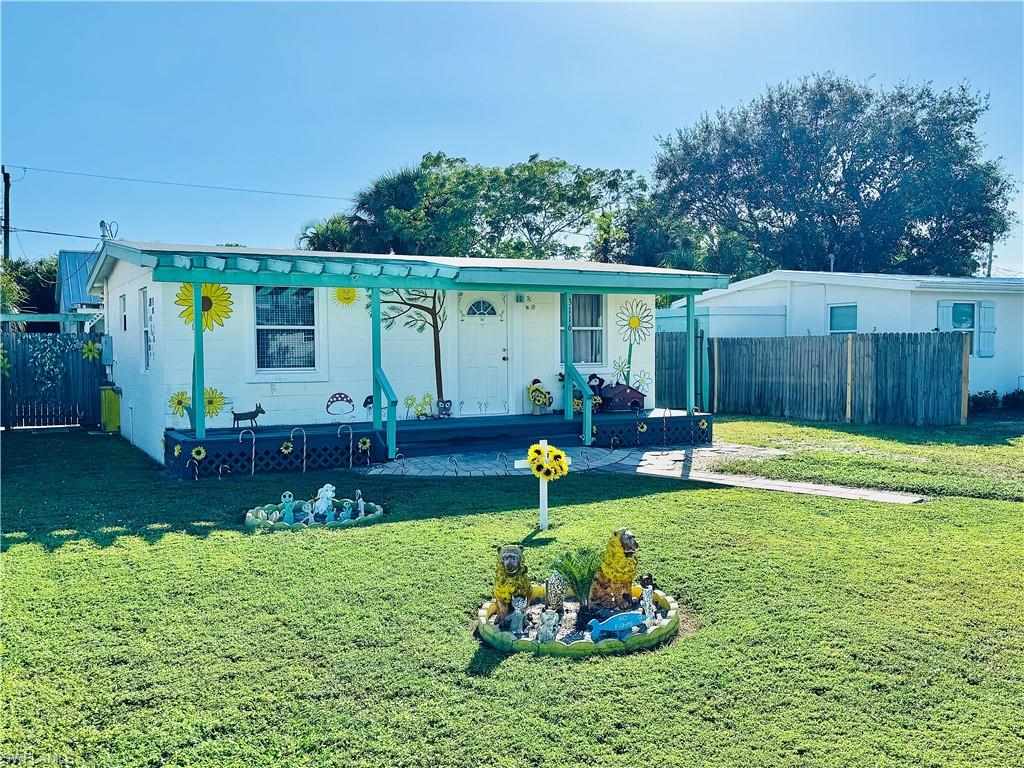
[511, 578]
[324, 506]
[647, 605]
[518, 617]
[360, 504]
[288, 504]
[249, 416]
[621, 625]
[307, 513]
[346, 510]
[557, 589]
[444, 409]
[613, 587]
[548, 629]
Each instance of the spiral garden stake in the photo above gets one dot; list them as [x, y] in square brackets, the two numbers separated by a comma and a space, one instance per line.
[291, 435]
[252, 462]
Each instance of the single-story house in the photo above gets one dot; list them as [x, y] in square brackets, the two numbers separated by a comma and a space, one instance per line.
[70, 292]
[796, 303]
[304, 338]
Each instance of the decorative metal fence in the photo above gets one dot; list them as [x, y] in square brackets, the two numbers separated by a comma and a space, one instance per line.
[877, 378]
[51, 379]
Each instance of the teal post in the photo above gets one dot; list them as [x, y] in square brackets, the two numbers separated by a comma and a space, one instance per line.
[375, 351]
[691, 357]
[566, 304]
[198, 383]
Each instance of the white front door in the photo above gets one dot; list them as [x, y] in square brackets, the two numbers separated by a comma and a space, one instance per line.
[483, 357]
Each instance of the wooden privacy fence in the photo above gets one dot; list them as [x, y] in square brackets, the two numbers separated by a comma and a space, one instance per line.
[49, 382]
[883, 378]
[670, 360]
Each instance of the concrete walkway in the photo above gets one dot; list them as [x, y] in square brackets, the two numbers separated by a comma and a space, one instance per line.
[679, 463]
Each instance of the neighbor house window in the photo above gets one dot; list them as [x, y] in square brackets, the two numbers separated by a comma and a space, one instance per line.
[285, 328]
[964, 318]
[588, 328]
[144, 312]
[842, 318]
[122, 304]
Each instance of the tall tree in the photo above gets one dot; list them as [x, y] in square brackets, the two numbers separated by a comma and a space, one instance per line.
[827, 169]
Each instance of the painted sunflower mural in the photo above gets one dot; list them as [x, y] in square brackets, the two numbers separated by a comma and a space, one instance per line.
[216, 302]
[214, 401]
[180, 402]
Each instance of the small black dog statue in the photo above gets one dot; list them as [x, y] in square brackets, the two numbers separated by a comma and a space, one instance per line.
[249, 416]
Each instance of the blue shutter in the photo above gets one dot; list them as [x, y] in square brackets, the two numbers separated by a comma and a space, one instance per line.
[986, 329]
[945, 315]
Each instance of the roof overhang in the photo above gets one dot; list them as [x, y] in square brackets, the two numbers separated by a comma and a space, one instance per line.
[251, 266]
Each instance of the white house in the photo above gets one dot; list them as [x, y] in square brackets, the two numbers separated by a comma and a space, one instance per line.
[290, 329]
[795, 303]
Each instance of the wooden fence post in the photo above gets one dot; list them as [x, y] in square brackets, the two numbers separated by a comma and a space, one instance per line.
[714, 407]
[849, 378]
[964, 379]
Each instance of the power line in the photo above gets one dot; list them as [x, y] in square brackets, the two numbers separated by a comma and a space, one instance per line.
[58, 234]
[180, 183]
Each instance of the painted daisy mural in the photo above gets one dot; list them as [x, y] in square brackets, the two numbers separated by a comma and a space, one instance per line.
[635, 321]
[216, 303]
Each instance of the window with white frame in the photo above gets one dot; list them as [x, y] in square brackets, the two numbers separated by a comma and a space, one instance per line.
[588, 328]
[964, 319]
[285, 328]
[122, 304]
[842, 318]
[144, 325]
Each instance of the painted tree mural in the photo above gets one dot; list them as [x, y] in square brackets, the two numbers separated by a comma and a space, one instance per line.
[419, 309]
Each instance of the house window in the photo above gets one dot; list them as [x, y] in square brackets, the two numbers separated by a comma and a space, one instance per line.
[144, 312]
[122, 303]
[481, 308]
[285, 329]
[587, 328]
[842, 318]
[964, 318]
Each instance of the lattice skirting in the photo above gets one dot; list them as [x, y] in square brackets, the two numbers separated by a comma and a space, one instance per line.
[225, 454]
[673, 430]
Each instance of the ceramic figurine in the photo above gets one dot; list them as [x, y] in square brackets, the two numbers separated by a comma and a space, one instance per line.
[324, 502]
[620, 626]
[287, 502]
[346, 509]
[613, 587]
[518, 617]
[444, 409]
[647, 605]
[511, 578]
[360, 504]
[548, 629]
[557, 589]
[307, 513]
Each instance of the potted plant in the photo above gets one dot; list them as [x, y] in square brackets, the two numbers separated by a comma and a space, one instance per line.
[579, 569]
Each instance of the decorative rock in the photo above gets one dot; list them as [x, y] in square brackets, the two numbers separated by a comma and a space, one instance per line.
[557, 589]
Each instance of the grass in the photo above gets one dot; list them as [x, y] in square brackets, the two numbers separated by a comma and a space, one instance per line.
[982, 460]
[143, 627]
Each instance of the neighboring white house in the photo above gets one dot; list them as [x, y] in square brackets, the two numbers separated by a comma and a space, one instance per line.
[290, 347]
[795, 303]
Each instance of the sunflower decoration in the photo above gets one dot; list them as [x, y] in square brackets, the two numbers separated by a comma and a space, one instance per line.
[364, 444]
[216, 303]
[214, 401]
[702, 424]
[199, 453]
[409, 401]
[641, 427]
[180, 402]
[539, 396]
[90, 351]
[177, 450]
[547, 463]
[635, 320]
[345, 297]
[287, 447]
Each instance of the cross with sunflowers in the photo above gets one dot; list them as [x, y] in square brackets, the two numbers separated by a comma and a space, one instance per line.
[547, 463]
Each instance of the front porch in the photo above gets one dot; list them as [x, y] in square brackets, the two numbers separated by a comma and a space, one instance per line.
[336, 446]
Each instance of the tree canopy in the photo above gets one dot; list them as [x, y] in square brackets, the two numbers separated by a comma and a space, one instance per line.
[878, 180]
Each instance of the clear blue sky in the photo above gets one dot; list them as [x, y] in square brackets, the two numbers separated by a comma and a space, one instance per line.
[319, 98]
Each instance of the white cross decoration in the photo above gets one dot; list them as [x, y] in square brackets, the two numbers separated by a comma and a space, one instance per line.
[525, 464]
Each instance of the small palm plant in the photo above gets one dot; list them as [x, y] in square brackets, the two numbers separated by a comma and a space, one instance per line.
[579, 569]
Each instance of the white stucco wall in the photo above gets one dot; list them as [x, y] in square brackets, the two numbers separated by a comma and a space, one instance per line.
[528, 331]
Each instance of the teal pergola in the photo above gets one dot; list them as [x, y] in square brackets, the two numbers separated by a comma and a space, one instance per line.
[373, 273]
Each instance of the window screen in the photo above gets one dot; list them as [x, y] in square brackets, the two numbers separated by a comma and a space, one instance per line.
[285, 328]
[963, 319]
[587, 328]
[842, 319]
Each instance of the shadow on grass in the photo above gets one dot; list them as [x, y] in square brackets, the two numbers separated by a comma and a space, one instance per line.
[73, 487]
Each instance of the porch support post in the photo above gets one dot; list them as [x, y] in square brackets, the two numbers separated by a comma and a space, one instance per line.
[198, 363]
[566, 304]
[691, 355]
[375, 352]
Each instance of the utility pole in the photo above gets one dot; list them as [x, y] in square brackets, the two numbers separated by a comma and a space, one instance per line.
[7, 212]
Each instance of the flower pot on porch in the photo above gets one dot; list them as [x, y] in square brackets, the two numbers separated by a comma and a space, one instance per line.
[537, 409]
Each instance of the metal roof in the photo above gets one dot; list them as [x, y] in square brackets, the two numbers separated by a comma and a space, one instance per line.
[267, 266]
[73, 268]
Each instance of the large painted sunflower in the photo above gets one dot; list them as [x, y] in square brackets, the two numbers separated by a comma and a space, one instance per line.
[635, 320]
[216, 300]
[179, 402]
[91, 351]
[214, 401]
[345, 296]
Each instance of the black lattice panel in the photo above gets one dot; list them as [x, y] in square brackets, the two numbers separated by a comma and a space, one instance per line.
[675, 430]
[225, 454]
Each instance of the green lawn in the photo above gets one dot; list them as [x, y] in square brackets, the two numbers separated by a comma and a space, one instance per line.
[984, 459]
[143, 627]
